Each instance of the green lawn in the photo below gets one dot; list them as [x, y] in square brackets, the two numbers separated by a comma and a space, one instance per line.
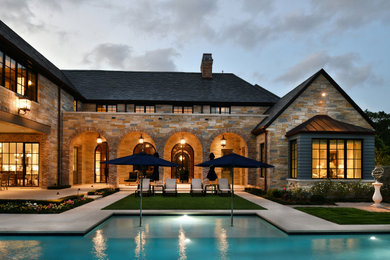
[183, 201]
[347, 216]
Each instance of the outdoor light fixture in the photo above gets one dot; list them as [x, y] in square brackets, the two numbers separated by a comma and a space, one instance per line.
[24, 105]
[141, 139]
[99, 139]
[323, 94]
[182, 141]
[223, 141]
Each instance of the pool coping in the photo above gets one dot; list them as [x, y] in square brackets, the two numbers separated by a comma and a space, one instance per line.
[81, 220]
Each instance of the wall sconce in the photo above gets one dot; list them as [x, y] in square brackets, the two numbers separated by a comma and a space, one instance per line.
[141, 139]
[99, 139]
[323, 94]
[223, 141]
[24, 105]
[182, 141]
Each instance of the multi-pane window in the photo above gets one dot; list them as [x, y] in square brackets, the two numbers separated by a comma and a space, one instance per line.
[337, 158]
[294, 156]
[17, 77]
[75, 105]
[19, 163]
[354, 159]
[182, 109]
[262, 159]
[105, 108]
[144, 109]
[21, 80]
[219, 110]
[10, 73]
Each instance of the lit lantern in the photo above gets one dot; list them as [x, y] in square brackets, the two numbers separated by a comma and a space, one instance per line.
[223, 141]
[323, 94]
[141, 139]
[182, 141]
[99, 139]
[24, 105]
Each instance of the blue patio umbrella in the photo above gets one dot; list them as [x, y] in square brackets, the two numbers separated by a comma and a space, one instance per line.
[231, 161]
[143, 160]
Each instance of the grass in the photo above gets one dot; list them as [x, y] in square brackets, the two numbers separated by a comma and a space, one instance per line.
[348, 216]
[182, 201]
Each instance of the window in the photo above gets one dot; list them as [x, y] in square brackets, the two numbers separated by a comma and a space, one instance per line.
[219, 110]
[182, 110]
[293, 161]
[75, 105]
[19, 162]
[144, 109]
[17, 77]
[105, 108]
[336, 158]
[262, 159]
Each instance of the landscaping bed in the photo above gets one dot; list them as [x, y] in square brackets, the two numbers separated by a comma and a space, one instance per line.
[182, 201]
[347, 216]
[42, 206]
[103, 192]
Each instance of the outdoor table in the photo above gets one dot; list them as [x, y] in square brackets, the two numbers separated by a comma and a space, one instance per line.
[159, 186]
[213, 188]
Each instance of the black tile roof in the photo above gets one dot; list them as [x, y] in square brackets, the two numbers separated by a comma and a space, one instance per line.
[324, 124]
[11, 40]
[97, 85]
[277, 109]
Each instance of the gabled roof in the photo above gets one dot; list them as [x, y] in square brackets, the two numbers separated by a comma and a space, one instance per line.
[275, 111]
[11, 41]
[223, 88]
[324, 124]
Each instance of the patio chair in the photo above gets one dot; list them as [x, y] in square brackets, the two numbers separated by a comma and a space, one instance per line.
[170, 187]
[196, 187]
[224, 186]
[145, 187]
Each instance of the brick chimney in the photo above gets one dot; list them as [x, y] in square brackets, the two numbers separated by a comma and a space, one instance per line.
[206, 67]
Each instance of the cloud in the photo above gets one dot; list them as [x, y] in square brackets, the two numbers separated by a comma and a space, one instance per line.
[347, 68]
[119, 56]
[257, 7]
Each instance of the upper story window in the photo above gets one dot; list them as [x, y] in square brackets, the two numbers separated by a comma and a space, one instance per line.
[106, 108]
[144, 109]
[336, 159]
[182, 109]
[75, 105]
[17, 77]
[219, 110]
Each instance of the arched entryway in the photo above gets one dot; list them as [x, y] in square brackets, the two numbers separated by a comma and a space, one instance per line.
[224, 144]
[183, 155]
[101, 169]
[146, 148]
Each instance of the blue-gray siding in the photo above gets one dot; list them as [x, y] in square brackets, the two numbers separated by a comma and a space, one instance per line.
[304, 150]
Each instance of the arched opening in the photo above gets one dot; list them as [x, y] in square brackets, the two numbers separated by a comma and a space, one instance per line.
[147, 148]
[225, 144]
[183, 155]
[101, 169]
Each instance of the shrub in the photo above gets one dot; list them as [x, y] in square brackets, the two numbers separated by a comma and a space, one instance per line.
[55, 187]
[255, 191]
[104, 192]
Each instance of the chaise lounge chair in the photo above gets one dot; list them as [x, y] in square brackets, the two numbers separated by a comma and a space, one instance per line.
[224, 186]
[170, 187]
[145, 187]
[196, 187]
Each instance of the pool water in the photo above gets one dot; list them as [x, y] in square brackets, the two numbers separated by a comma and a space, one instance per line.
[193, 237]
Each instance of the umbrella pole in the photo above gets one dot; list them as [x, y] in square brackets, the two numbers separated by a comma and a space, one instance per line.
[231, 196]
[140, 206]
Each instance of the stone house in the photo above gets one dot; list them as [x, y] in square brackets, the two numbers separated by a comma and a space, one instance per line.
[56, 126]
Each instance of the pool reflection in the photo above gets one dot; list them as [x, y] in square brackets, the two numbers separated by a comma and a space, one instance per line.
[99, 244]
[140, 242]
[21, 249]
[221, 235]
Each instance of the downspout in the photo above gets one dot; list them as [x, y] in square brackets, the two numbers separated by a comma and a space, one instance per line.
[265, 158]
[59, 137]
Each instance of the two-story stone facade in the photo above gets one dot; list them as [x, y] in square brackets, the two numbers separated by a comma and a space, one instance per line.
[181, 116]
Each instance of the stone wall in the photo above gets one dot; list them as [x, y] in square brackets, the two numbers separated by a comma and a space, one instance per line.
[159, 128]
[307, 105]
[44, 112]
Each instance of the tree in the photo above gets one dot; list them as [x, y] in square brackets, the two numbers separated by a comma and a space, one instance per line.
[381, 121]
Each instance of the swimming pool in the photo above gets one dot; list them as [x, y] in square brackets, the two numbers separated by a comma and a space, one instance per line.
[193, 237]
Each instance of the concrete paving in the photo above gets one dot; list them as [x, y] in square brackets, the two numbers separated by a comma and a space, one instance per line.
[82, 219]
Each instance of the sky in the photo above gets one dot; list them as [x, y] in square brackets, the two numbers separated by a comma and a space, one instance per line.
[276, 44]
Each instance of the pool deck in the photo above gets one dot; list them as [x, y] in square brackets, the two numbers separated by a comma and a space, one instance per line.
[83, 219]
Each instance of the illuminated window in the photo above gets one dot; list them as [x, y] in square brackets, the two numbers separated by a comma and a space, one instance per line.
[1, 67]
[10, 73]
[144, 109]
[75, 105]
[21, 80]
[294, 156]
[105, 108]
[182, 109]
[337, 158]
[219, 110]
[32, 85]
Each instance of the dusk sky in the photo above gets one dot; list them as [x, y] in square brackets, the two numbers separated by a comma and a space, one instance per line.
[275, 44]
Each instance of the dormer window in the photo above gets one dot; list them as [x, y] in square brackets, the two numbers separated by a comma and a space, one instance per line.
[106, 108]
[183, 109]
[144, 109]
[219, 110]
